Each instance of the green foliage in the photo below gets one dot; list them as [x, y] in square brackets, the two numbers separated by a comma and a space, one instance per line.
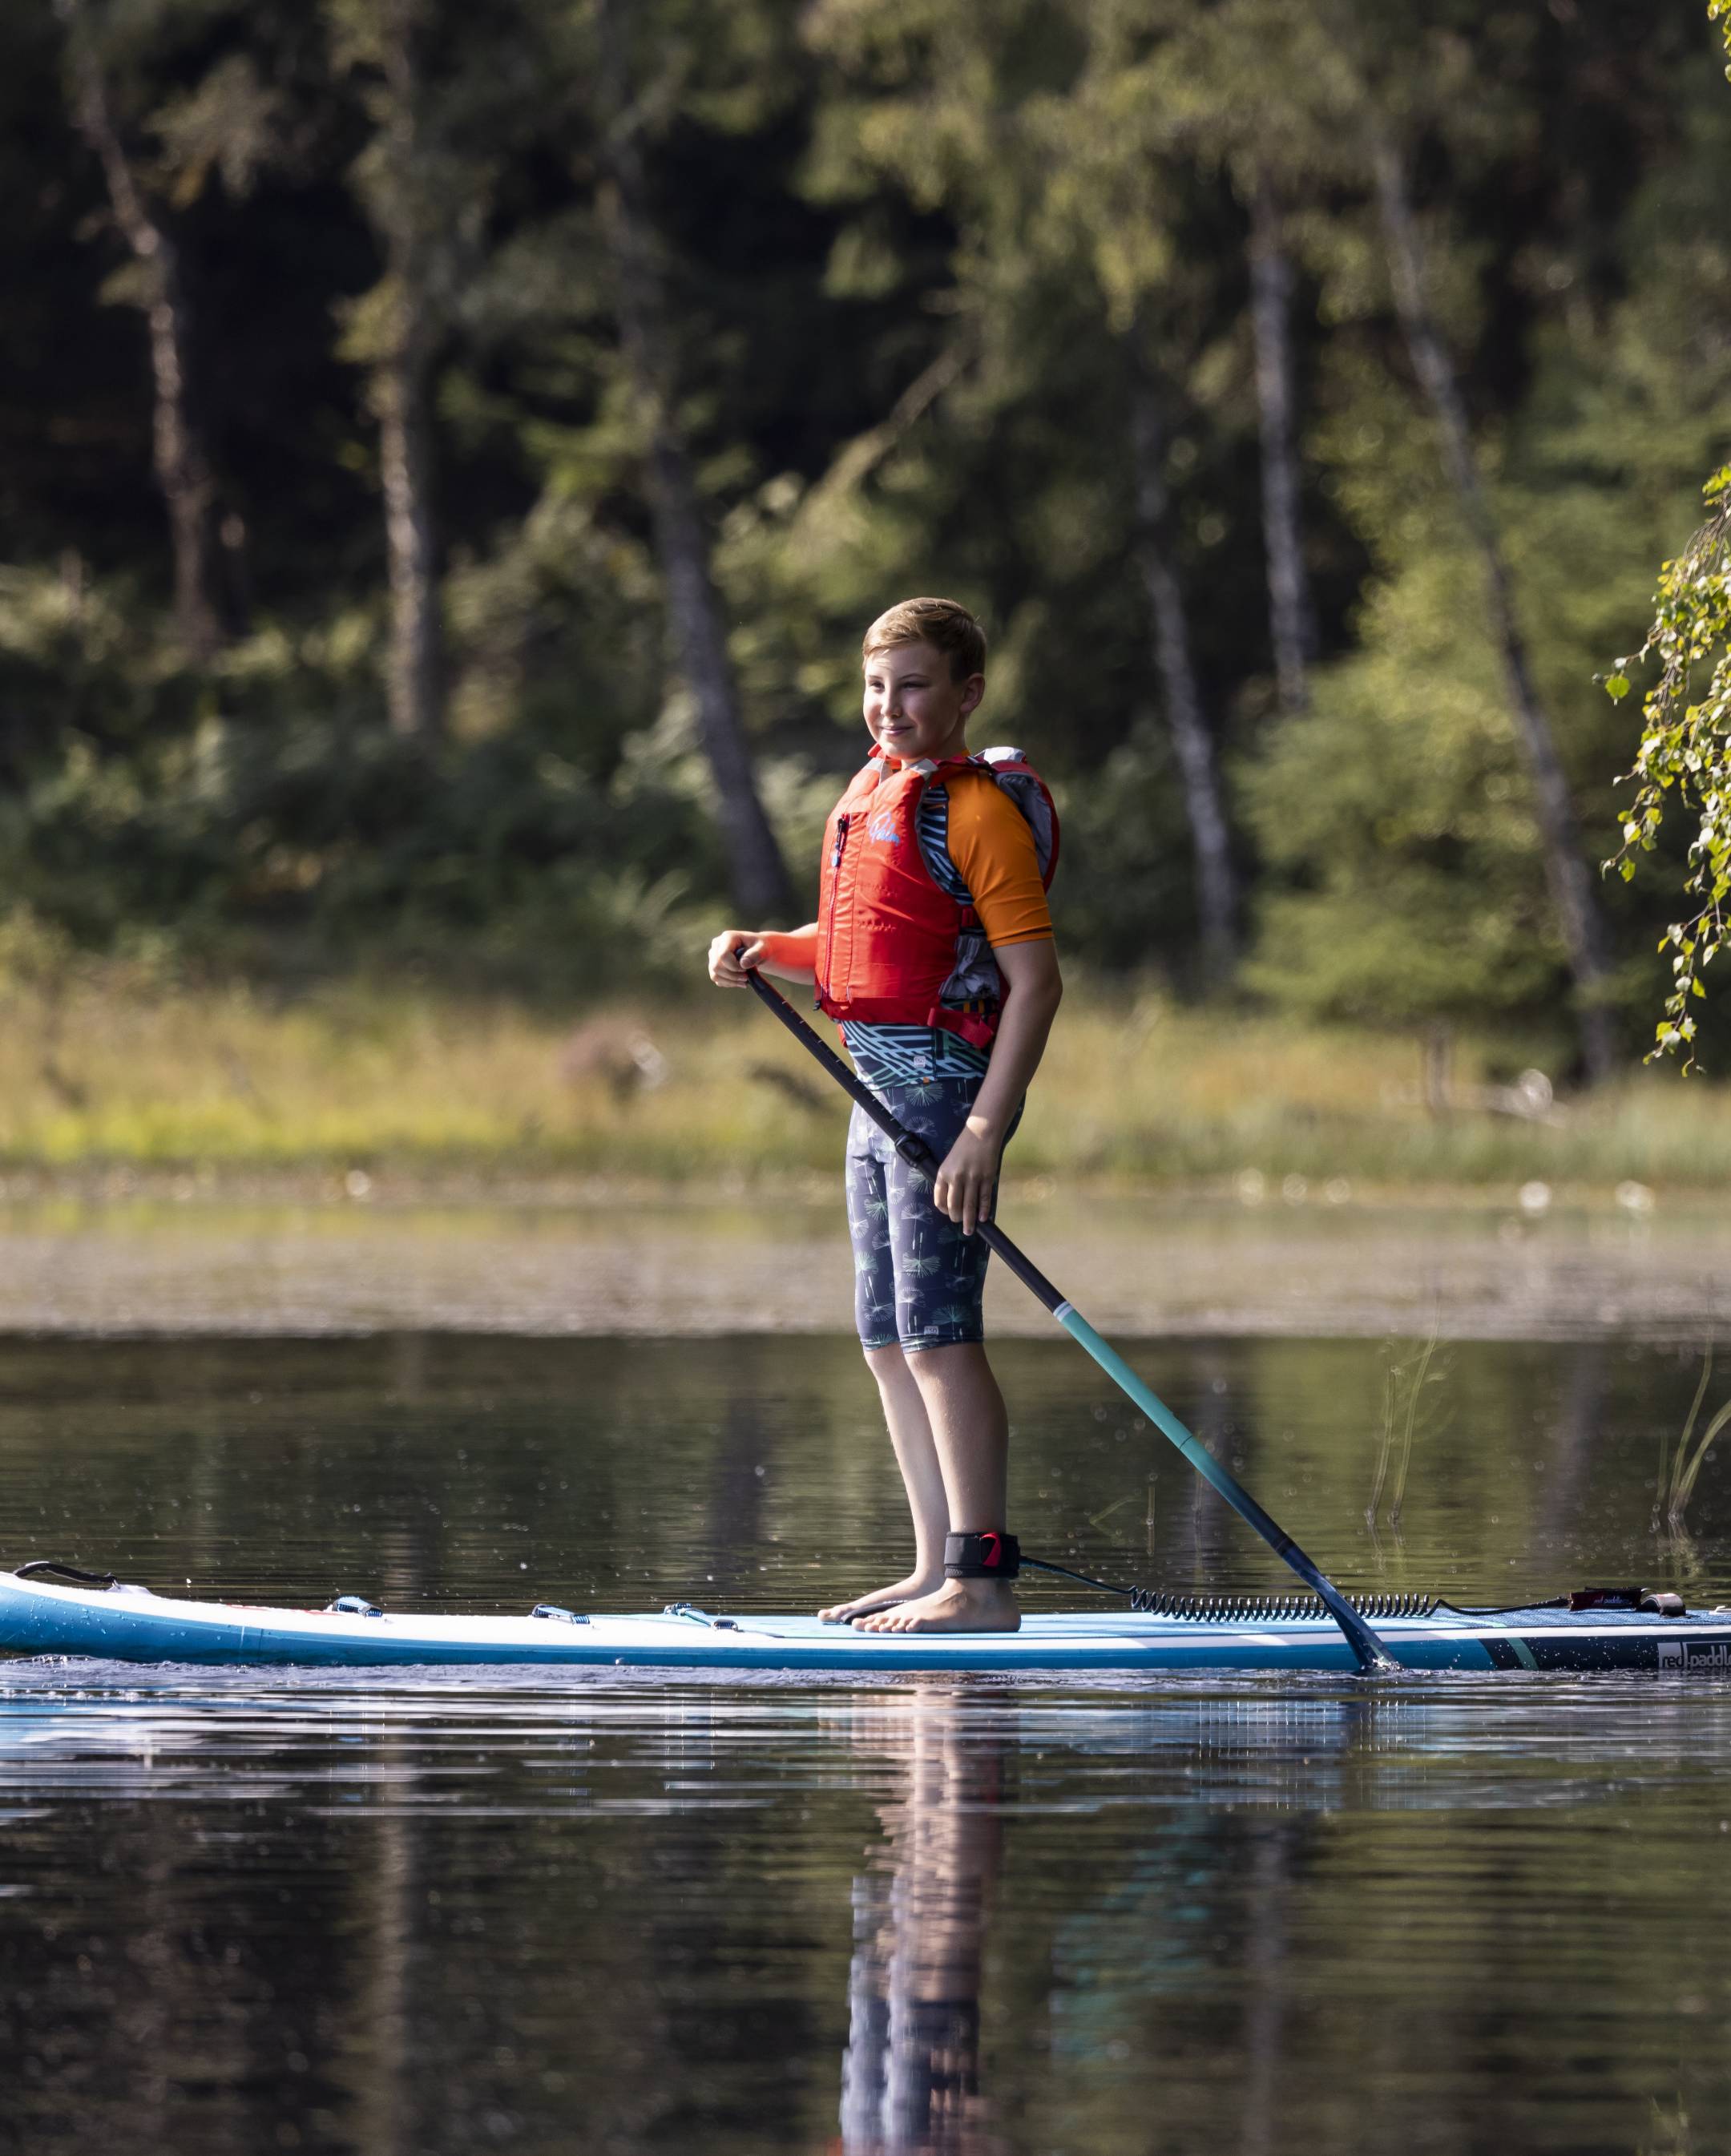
[1395, 813]
[917, 255]
[1684, 765]
[282, 821]
[1394, 816]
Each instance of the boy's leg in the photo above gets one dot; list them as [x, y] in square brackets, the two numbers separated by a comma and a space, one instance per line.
[970, 1436]
[917, 1456]
[940, 1276]
[870, 1228]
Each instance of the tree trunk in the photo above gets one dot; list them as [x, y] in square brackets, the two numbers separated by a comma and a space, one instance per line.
[1291, 620]
[1566, 873]
[415, 676]
[759, 877]
[1216, 889]
[414, 683]
[203, 619]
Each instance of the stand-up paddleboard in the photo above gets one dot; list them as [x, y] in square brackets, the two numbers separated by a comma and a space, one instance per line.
[120, 1623]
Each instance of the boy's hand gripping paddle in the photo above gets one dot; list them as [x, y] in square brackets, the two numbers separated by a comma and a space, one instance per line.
[1367, 1648]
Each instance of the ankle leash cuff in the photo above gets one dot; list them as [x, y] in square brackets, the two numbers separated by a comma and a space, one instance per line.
[982, 1557]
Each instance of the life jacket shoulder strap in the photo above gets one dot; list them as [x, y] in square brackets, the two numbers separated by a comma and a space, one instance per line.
[1010, 771]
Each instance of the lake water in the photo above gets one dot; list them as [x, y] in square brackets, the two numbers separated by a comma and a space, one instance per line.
[259, 1911]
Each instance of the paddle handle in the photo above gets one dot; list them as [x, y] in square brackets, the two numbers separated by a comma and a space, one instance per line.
[1367, 1648]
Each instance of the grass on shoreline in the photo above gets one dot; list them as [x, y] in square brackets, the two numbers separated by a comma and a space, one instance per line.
[431, 1088]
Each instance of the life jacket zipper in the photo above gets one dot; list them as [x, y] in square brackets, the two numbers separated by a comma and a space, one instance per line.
[828, 977]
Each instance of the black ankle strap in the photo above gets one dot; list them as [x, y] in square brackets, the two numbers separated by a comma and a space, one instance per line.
[981, 1557]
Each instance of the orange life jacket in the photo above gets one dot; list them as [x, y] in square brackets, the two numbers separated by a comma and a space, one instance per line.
[894, 948]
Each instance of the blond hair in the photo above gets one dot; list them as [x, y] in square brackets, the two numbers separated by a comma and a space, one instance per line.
[947, 627]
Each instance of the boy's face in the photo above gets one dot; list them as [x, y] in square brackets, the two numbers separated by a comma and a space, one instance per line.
[915, 708]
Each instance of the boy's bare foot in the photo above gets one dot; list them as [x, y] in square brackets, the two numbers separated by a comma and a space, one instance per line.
[959, 1605]
[916, 1584]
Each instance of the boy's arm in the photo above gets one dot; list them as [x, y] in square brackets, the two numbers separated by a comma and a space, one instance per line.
[1032, 991]
[736, 950]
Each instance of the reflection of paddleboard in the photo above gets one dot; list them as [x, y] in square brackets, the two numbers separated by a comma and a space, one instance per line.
[129, 1624]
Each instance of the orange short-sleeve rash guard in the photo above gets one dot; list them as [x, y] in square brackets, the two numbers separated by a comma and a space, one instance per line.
[990, 841]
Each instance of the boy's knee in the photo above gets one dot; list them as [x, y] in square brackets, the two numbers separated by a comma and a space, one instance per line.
[936, 1362]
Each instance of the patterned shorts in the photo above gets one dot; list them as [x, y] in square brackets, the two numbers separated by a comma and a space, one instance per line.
[917, 1279]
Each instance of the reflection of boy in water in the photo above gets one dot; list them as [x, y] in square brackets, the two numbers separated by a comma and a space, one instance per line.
[910, 2077]
[934, 948]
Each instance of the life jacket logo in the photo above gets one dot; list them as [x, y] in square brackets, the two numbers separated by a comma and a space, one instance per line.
[882, 830]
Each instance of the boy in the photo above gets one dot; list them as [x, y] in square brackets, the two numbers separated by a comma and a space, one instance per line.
[933, 949]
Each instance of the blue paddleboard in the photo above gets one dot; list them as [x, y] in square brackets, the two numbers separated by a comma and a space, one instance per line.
[129, 1624]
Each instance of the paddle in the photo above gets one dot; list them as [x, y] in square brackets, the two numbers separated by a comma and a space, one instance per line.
[1367, 1648]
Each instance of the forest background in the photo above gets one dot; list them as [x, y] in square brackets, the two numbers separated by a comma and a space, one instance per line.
[450, 455]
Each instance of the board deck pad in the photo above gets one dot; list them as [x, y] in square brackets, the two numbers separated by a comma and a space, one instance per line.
[129, 1624]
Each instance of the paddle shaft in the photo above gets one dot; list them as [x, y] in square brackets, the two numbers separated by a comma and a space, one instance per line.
[1367, 1648]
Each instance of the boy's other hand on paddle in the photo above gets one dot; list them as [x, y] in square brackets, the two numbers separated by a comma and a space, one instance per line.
[968, 1178]
[732, 954]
